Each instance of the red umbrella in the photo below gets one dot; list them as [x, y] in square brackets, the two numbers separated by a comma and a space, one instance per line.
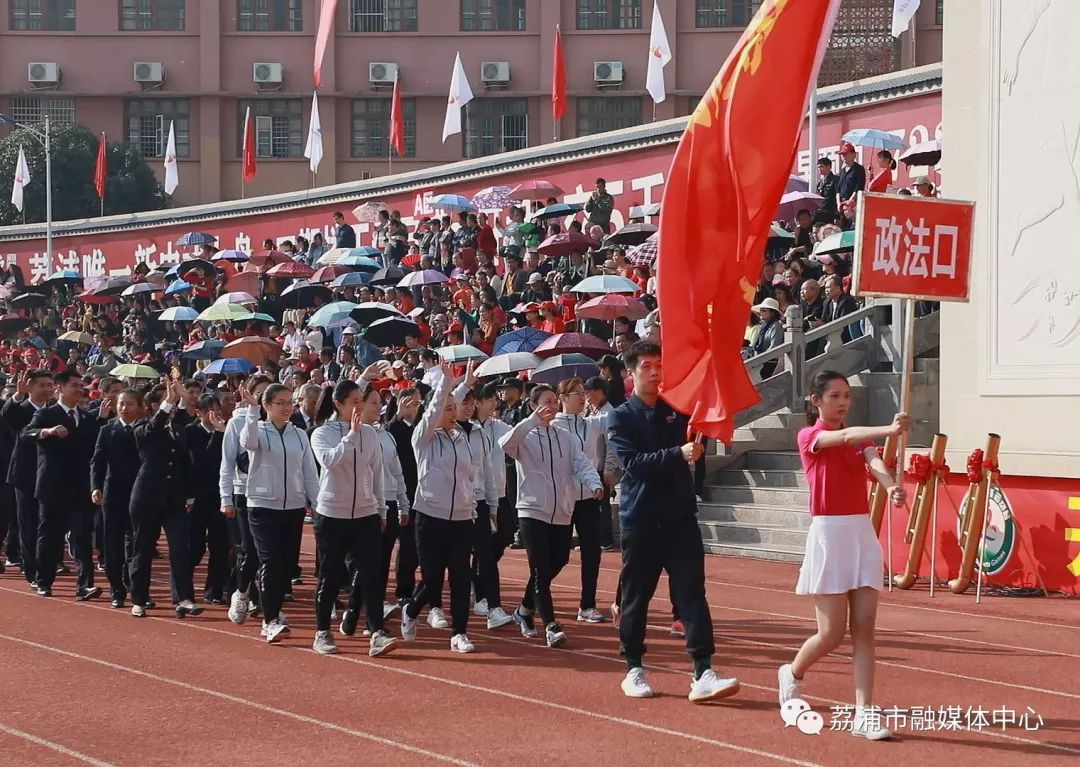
[266, 258]
[247, 282]
[255, 349]
[328, 273]
[561, 244]
[611, 306]
[573, 343]
[534, 189]
[89, 297]
[291, 268]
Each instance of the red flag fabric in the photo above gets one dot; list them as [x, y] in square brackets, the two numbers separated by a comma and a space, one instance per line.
[725, 182]
[558, 79]
[326, 25]
[101, 170]
[249, 146]
[397, 120]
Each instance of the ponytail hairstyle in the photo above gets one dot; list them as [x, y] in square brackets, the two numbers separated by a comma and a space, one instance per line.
[339, 393]
[886, 155]
[817, 388]
[537, 392]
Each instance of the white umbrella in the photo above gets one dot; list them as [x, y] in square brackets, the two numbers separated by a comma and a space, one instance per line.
[606, 283]
[505, 364]
[178, 314]
[236, 297]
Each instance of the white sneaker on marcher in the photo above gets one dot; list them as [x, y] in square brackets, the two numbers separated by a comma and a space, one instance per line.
[590, 615]
[282, 619]
[275, 630]
[709, 686]
[790, 687]
[436, 618]
[636, 685]
[138, 611]
[869, 726]
[324, 643]
[481, 607]
[388, 609]
[554, 635]
[408, 626]
[461, 643]
[381, 644]
[498, 617]
[238, 608]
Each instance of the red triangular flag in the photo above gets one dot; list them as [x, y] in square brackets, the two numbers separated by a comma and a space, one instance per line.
[558, 79]
[101, 170]
[397, 120]
[249, 146]
[731, 160]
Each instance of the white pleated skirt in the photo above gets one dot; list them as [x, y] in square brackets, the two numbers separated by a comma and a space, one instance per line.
[842, 554]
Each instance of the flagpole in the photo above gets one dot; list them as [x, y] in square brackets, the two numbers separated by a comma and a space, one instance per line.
[812, 139]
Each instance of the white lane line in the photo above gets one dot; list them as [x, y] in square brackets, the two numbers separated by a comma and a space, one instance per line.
[57, 747]
[242, 701]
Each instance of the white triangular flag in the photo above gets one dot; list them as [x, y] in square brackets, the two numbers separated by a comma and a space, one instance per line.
[172, 173]
[902, 13]
[659, 56]
[313, 150]
[22, 178]
[460, 95]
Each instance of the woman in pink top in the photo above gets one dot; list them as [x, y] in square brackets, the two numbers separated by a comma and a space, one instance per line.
[842, 567]
[884, 176]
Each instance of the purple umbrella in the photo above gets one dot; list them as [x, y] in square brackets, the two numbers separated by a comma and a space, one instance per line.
[493, 198]
[423, 277]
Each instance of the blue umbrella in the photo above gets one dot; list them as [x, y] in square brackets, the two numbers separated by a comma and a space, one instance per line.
[177, 286]
[204, 350]
[332, 315]
[227, 366]
[877, 139]
[363, 250]
[178, 314]
[349, 279]
[558, 209]
[452, 202]
[360, 262]
[196, 238]
[64, 275]
[523, 340]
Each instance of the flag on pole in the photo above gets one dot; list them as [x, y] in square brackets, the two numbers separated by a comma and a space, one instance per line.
[101, 168]
[659, 56]
[902, 13]
[397, 119]
[730, 159]
[558, 79]
[322, 37]
[460, 95]
[313, 150]
[22, 178]
[172, 173]
[249, 146]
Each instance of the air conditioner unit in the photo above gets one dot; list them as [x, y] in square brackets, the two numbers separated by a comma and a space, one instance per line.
[269, 72]
[607, 71]
[382, 73]
[495, 71]
[149, 72]
[43, 72]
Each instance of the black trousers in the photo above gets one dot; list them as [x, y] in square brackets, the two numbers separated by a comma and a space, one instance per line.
[607, 537]
[247, 557]
[26, 507]
[98, 529]
[118, 543]
[147, 522]
[442, 545]
[508, 523]
[360, 541]
[272, 531]
[402, 535]
[9, 522]
[55, 519]
[548, 547]
[645, 554]
[292, 546]
[586, 521]
[485, 567]
[209, 532]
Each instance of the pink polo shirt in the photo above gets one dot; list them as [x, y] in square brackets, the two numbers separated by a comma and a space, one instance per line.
[836, 475]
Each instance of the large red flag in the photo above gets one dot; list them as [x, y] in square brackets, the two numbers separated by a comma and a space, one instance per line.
[725, 182]
[397, 120]
[326, 25]
[101, 170]
[558, 79]
[249, 147]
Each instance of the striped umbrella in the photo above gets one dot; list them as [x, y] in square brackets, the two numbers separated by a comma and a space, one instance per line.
[196, 238]
[645, 253]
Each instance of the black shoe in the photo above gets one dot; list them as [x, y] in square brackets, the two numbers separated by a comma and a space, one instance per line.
[348, 622]
[88, 593]
[288, 598]
[607, 547]
[62, 569]
[117, 602]
[100, 568]
[182, 611]
[2, 568]
[297, 581]
[33, 585]
[44, 591]
[156, 554]
[150, 604]
[13, 562]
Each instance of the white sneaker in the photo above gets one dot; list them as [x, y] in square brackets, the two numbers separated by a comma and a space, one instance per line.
[238, 608]
[461, 643]
[381, 644]
[436, 618]
[408, 626]
[481, 607]
[275, 630]
[636, 685]
[324, 643]
[138, 611]
[282, 619]
[388, 609]
[590, 615]
[869, 727]
[790, 687]
[554, 635]
[498, 617]
[709, 686]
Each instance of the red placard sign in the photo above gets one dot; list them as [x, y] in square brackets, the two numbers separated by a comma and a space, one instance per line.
[913, 247]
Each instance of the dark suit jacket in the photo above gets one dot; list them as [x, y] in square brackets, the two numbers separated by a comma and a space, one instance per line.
[63, 463]
[297, 419]
[204, 449]
[115, 463]
[22, 470]
[165, 474]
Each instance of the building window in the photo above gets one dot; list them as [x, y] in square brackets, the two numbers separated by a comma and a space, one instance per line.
[495, 125]
[609, 14]
[148, 123]
[152, 15]
[597, 114]
[42, 15]
[725, 13]
[270, 16]
[31, 110]
[492, 15]
[279, 127]
[939, 12]
[371, 127]
[382, 15]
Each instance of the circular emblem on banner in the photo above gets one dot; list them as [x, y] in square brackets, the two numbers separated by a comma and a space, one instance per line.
[1001, 533]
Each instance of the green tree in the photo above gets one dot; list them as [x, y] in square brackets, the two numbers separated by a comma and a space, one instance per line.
[130, 184]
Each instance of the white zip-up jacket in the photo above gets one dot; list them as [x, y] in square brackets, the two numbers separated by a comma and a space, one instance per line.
[232, 481]
[491, 431]
[351, 482]
[393, 478]
[282, 472]
[550, 466]
[590, 433]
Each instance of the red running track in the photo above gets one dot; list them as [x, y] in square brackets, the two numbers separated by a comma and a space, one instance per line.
[86, 684]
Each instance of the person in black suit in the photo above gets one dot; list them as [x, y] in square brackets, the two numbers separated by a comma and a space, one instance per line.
[33, 389]
[9, 518]
[113, 469]
[65, 435]
[161, 497]
[209, 529]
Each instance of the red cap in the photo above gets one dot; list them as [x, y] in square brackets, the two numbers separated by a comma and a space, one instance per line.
[548, 306]
[531, 307]
[846, 147]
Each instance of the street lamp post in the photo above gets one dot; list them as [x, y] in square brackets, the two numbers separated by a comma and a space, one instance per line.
[46, 141]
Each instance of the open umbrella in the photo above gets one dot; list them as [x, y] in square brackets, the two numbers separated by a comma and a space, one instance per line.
[611, 306]
[13, 323]
[329, 273]
[113, 286]
[559, 245]
[390, 275]
[128, 370]
[236, 256]
[363, 263]
[645, 253]
[523, 340]
[291, 269]
[926, 153]
[423, 277]
[839, 242]
[493, 198]
[573, 343]
[778, 233]
[452, 202]
[641, 211]
[139, 288]
[235, 297]
[371, 311]
[184, 267]
[257, 316]
[29, 301]
[89, 297]
[534, 189]
[797, 184]
[505, 364]
[178, 314]
[554, 370]
[631, 234]
[391, 331]
[254, 349]
[248, 282]
[63, 277]
[792, 202]
[368, 212]
[458, 353]
[352, 280]
[204, 350]
[192, 239]
[178, 286]
[876, 139]
[334, 255]
[221, 312]
[228, 366]
[606, 283]
[267, 258]
[332, 315]
[302, 294]
[558, 209]
[77, 337]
